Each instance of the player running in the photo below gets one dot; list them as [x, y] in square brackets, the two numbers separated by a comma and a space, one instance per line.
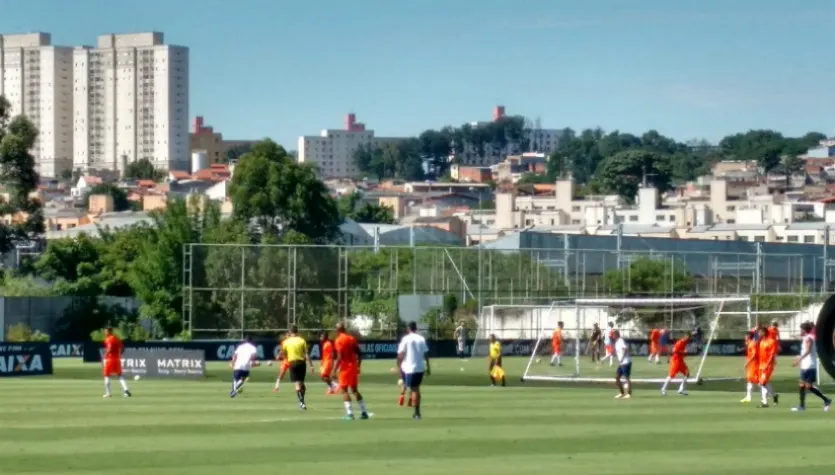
[495, 362]
[752, 365]
[112, 362]
[413, 360]
[654, 346]
[624, 372]
[678, 366]
[326, 363]
[348, 362]
[767, 357]
[556, 345]
[608, 341]
[244, 358]
[808, 362]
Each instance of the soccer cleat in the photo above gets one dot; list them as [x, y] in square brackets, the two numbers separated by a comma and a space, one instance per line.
[628, 396]
[682, 393]
[416, 417]
[745, 400]
[827, 405]
[303, 406]
[232, 394]
[619, 396]
[776, 398]
[364, 416]
[348, 417]
[663, 392]
[106, 396]
[127, 394]
[275, 390]
[763, 405]
[798, 409]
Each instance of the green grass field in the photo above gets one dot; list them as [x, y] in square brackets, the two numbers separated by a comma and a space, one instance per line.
[60, 424]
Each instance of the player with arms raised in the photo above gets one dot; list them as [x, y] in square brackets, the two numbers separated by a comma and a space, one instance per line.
[348, 362]
[112, 362]
[326, 362]
[752, 365]
[624, 371]
[556, 345]
[767, 357]
[678, 366]
[244, 358]
[808, 362]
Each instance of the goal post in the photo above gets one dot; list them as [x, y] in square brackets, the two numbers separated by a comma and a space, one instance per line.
[586, 313]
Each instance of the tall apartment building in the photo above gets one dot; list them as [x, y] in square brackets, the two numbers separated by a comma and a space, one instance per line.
[131, 99]
[332, 151]
[37, 79]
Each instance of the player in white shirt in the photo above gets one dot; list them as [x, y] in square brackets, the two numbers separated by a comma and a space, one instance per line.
[808, 362]
[413, 359]
[244, 358]
[624, 372]
[461, 337]
[608, 341]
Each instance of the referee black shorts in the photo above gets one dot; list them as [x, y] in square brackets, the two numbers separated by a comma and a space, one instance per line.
[298, 371]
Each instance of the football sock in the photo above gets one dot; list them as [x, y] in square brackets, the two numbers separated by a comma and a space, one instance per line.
[682, 385]
[417, 405]
[802, 397]
[627, 388]
[363, 409]
[300, 396]
[817, 392]
[401, 400]
[123, 383]
[666, 383]
[764, 394]
[748, 389]
[107, 384]
[348, 409]
[277, 383]
[492, 380]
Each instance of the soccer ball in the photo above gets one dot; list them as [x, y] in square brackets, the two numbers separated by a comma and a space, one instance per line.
[538, 360]
[136, 378]
[400, 382]
[269, 363]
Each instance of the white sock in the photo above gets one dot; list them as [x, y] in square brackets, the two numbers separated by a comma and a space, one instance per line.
[666, 383]
[626, 386]
[559, 359]
[348, 409]
[748, 390]
[363, 409]
[656, 357]
[764, 393]
[107, 384]
[553, 358]
[769, 389]
[277, 383]
[682, 385]
[123, 383]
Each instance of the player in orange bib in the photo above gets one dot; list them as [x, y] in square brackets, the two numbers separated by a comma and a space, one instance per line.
[284, 365]
[655, 346]
[767, 359]
[752, 365]
[112, 362]
[678, 366]
[774, 333]
[556, 345]
[326, 345]
[348, 362]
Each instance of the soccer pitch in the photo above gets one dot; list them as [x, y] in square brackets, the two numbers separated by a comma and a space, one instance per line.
[60, 425]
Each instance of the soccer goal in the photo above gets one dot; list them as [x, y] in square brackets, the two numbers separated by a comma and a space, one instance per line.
[676, 315]
[516, 325]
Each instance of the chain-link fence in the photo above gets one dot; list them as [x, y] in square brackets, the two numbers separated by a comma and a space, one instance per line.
[232, 289]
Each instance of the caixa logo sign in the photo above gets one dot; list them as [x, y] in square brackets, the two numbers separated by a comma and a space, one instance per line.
[21, 364]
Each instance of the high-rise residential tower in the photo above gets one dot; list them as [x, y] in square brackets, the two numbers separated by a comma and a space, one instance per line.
[131, 102]
[37, 79]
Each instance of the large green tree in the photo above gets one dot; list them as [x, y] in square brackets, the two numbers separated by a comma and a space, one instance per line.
[351, 206]
[19, 178]
[624, 172]
[143, 169]
[276, 193]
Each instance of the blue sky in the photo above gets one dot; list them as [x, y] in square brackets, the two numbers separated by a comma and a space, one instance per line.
[283, 68]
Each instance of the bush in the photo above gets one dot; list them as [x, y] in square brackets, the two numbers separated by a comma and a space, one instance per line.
[22, 333]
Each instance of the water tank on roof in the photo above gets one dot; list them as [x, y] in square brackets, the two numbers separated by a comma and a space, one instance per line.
[199, 161]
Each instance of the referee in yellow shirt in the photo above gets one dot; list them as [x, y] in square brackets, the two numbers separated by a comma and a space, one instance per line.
[295, 352]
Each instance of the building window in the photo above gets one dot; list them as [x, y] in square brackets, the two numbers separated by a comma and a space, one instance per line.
[633, 218]
[809, 239]
[791, 239]
[759, 238]
[575, 209]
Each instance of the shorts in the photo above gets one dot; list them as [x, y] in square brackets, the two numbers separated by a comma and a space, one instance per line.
[556, 349]
[765, 375]
[298, 371]
[625, 370]
[112, 367]
[240, 374]
[678, 367]
[327, 369]
[413, 380]
[752, 375]
[610, 350]
[349, 378]
[461, 345]
[653, 348]
[809, 376]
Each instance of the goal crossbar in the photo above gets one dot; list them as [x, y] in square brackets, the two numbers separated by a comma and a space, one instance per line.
[660, 301]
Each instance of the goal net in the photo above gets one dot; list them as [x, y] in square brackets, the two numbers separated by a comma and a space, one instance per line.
[516, 326]
[635, 318]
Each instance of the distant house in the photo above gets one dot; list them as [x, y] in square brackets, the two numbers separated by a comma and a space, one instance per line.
[84, 184]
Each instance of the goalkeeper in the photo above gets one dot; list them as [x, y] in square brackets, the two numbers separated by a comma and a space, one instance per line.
[495, 362]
